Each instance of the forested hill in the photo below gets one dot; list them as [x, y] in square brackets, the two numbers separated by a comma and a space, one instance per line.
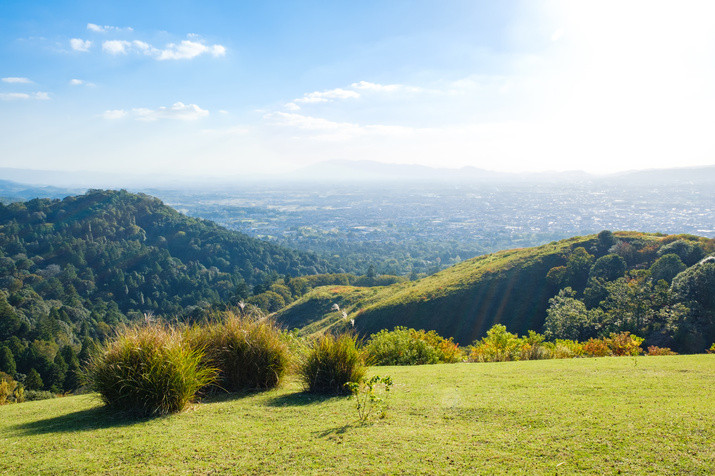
[655, 286]
[72, 269]
[120, 252]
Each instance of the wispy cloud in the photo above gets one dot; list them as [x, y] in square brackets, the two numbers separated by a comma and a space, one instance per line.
[190, 49]
[326, 96]
[39, 95]
[385, 88]
[354, 91]
[114, 114]
[107, 28]
[179, 111]
[327, 130]
[187, 49]
[13, 96]
[15, 80]
[80, 82]
[79, 44]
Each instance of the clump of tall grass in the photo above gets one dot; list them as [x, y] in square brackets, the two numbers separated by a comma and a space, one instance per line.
[331, 363]
[148, 370]
[249, 353]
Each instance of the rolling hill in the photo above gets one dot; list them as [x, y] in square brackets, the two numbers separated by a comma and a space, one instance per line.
[509, 287]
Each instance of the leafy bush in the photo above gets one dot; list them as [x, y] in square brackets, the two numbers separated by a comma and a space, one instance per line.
[10, 390]
[498, 346]
[403, 346]
[248, 353]
[533, 348]
[149, 370]
[625, 344]
[655, 350]
[32, 395]
[331, 363]
[596, 348]
[566, 349]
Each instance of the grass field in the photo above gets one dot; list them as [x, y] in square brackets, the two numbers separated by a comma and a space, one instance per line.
[644, 415]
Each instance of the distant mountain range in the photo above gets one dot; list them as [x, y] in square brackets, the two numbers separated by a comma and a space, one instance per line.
[27, 183]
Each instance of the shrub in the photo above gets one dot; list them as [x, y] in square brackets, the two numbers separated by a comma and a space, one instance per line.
[32, 395]
[331, 363]
[403, 346]
[148, 370]
[498, 346]
[10, 390]
[449, 351]
[248, 353]
[624, 344]
[596, 348]
[533, 348]
[566, 349]
[655, 350]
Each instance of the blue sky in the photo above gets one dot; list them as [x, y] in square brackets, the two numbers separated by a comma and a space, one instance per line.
[216, 88]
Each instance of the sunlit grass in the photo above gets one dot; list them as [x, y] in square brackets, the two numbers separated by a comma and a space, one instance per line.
[629, 415]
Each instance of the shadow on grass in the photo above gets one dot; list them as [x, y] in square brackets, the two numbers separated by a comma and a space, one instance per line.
[333, 432]
[83, 420]
[299, 399]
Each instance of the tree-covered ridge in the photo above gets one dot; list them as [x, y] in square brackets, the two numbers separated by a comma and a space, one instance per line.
[74, 268]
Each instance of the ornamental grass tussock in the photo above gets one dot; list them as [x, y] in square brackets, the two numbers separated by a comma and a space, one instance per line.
[149, 370]
[248, 352]
[331, 363]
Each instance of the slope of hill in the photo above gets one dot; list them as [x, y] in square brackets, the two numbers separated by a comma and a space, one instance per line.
[75, 268]
[464, 301]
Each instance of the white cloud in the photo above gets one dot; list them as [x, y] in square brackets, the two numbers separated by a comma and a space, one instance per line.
[354, 92]
[190, 49]
[366, 85]
[116, 47]
[14, 80]
[179, 110]
[13, 96]
[327, 96]
[79, 44]
[106, 28]
[114, 114]
[80, 82]
[39, 95]
[185, 50]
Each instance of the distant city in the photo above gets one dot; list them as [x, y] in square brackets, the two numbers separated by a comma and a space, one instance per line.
[423, 227]
[410, 220]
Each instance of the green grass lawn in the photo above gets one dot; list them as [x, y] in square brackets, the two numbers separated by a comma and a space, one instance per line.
[645, 415]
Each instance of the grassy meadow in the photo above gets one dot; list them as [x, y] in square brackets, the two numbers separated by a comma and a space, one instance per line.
[624, 415]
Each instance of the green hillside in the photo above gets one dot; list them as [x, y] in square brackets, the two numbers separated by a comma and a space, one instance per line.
[622, 415]
[71, 270]
[509, 287]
